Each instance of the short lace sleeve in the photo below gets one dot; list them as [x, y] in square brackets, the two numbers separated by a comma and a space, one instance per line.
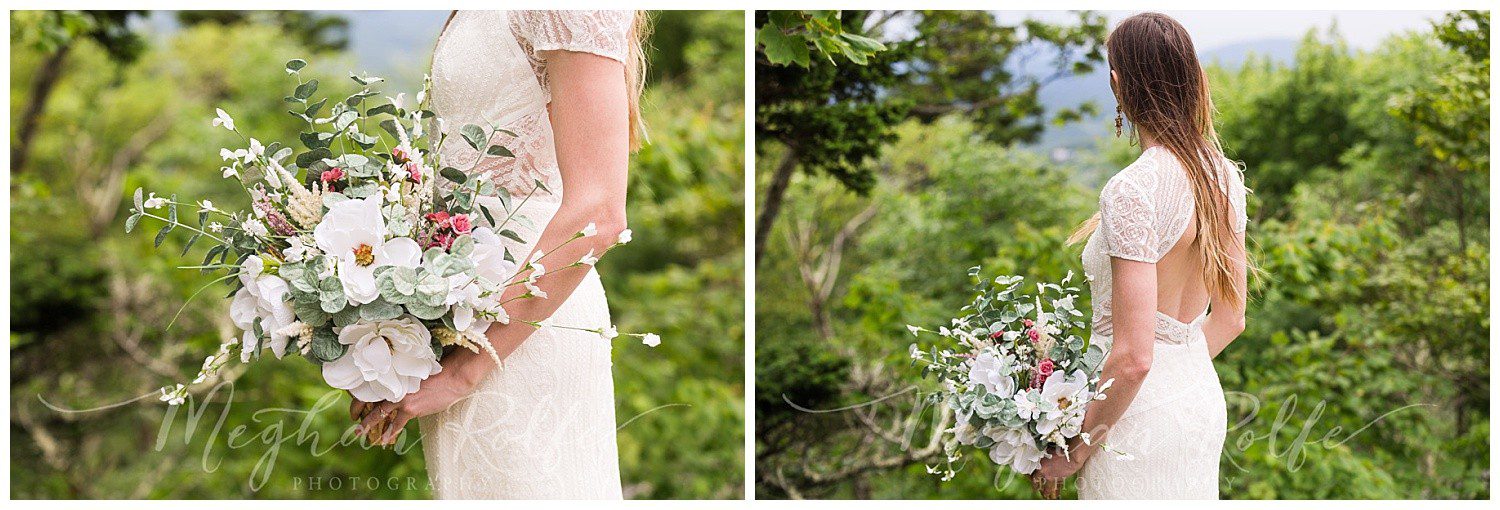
[603, 33]
[1127, 221]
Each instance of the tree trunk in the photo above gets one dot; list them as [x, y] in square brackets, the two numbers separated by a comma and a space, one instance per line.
[41, 88]
[775, 196]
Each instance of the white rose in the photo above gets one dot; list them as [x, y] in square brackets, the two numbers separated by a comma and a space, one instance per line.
[386, 360]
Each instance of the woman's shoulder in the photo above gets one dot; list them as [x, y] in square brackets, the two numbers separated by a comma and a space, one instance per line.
[1143, 177]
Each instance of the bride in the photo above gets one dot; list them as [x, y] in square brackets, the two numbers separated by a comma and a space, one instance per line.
[1167, 266]
[542, 425]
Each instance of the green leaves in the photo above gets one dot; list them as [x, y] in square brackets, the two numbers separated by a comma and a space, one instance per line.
[473, 134]
[325, 345]
[305, 90]
[331, 295]
[453, 174]
[783, 48]
[497, 150]
[789, 37]
[294, 65]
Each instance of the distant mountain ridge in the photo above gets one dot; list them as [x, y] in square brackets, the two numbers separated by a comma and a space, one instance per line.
[1072, 91]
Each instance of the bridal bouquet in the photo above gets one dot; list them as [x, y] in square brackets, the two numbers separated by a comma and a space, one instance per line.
[1017, 371]
[351, 254]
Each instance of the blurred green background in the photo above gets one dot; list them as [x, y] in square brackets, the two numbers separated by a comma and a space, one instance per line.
[104, 102]
[1365, 369]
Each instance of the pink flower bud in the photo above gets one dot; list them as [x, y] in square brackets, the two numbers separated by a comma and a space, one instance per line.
[1045, 368]
[1033, 335]
[332, 174]
[414, 171]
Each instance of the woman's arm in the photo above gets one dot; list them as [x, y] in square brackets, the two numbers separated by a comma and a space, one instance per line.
[1134, 316]
[590, 126]
[1227, 319]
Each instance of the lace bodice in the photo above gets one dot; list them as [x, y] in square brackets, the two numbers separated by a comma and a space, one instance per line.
[489, 69]
[1143, 212]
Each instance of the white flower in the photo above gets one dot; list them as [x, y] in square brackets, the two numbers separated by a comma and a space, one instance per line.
[589, 259]
[489, 256]
[255, 227]
[609, 333]
[263, 298]
[534, 290]
[624, 237]
[154, 202]
[993, 373]
[173, 395]
[206, 205]
[299, 249]
[398, 100]
[354, 233]
[1026, 405]
[1015, 447]
[588, 230]
[651, 340]
[222, 119]
[386, 360]
[913, 329]
[214, 226]
[256, 150]
[913, 351]
[228, 171]
[1061, 392]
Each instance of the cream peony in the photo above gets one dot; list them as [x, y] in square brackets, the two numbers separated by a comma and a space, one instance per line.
[263, 297]
[354, 233]
[386, 360]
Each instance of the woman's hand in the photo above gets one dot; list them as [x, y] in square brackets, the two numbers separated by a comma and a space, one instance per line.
[382, 422]
[1048, 479]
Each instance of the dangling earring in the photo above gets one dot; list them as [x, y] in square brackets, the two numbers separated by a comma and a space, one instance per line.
[1119, 121]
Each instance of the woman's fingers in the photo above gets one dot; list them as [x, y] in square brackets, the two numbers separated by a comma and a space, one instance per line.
[373, 418]
[397, 423]
[358, 408]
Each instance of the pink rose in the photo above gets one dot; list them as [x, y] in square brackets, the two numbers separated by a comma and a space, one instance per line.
[1033, 335]
[996, 335]
[461, 223]
[332, 174]
[415, 171]
[1027, 322]
[1045, 368]
[439, 218]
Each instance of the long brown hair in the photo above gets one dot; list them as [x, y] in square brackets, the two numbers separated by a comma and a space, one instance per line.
[1163, 93]
[635, 76]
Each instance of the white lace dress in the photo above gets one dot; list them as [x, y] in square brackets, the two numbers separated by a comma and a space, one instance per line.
[1175, 426]
[543, 426]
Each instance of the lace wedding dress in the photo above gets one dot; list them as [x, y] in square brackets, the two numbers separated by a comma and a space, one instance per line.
[543, 425]
[1175, 426]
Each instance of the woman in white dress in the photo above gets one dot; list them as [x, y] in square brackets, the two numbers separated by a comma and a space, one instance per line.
[1167, 266]
[542, 425]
